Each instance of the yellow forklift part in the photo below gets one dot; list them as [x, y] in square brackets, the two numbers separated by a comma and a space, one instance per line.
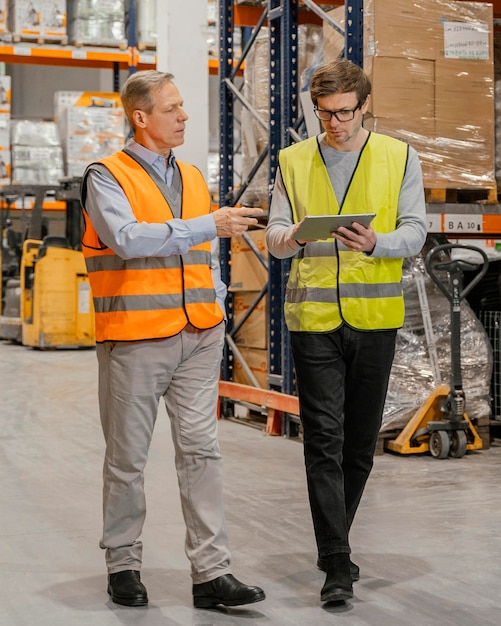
[56, 304]
[415, 438]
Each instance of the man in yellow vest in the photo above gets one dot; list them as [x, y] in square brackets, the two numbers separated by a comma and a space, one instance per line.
[149, 246]
[344, 300]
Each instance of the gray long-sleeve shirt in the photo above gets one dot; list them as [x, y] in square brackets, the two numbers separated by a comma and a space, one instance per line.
[405, 241]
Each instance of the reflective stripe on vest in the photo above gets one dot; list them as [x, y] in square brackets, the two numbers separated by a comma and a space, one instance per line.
[328, 286]
[151, 297]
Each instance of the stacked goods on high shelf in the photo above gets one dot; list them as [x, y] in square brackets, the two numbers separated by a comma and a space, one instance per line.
[37, 20]
[37, 154]
[146, 23]
[248, 277]
[97, 23]
[91, 126]
[432, 69]
[4, 130]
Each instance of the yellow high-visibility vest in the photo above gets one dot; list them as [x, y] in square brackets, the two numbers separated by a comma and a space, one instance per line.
[327, 286]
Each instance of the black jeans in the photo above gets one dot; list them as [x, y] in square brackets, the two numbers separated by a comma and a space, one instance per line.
[342, 379]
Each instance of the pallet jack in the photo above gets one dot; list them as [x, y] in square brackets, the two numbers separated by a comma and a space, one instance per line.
[441, 426]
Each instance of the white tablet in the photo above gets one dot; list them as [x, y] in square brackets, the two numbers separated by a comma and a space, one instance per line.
[321, 226]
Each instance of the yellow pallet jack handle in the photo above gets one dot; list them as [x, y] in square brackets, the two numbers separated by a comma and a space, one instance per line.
[441, 425]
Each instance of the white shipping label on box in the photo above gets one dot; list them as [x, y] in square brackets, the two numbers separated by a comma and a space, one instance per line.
[466, 41]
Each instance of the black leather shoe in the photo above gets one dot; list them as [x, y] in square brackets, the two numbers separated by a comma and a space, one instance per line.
[225, 590]
[338, 585]
[126, 588]
[354, 569]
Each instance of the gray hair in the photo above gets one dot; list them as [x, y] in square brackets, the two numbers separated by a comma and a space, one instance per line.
[137, 91]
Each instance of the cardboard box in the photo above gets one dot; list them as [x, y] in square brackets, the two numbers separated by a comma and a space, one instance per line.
[465, 30]
[54, 20]
[254, 331]
[422, 30]
[465, 122]
[393, 28]
[24, 18]
[408, 102]
[257, 361]
[247, 272]
[437, 96]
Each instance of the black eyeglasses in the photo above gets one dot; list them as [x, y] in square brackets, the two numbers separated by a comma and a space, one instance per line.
[343, 115]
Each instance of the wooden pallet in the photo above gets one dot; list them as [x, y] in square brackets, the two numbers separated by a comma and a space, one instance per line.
[36, 39]
[120, 45]
[480, 195]
[146, 45]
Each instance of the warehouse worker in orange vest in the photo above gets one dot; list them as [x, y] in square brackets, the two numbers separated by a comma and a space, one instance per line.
[149, 246]
[344, 299]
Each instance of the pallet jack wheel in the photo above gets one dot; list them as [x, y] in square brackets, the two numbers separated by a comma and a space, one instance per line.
[439, 444]
[458, 444]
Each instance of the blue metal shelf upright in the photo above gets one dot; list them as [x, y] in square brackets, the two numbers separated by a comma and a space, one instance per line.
[284, 127]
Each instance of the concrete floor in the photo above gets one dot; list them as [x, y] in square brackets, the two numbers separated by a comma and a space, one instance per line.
[427, 536]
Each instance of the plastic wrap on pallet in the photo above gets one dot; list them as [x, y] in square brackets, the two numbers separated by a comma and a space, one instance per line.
[432, 67]
[256, 90]
[97, 22]
[412, 380]
[91, 126]
[497, 100]
[91, 134]
[146, 22]
[37, 155]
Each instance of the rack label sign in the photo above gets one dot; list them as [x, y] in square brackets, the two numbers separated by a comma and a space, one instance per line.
[462, 223]
[434, 221]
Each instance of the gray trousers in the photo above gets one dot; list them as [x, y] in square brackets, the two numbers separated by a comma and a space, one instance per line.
[133, 376]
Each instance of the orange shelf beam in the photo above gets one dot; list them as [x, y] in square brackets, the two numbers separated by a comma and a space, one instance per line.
[276, 403]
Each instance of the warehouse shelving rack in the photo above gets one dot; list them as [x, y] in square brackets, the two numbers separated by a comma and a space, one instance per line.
[285, 120]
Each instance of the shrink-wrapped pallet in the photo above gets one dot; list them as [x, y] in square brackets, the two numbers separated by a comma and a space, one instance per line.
[97, 23]
[37, 155]
[431, 64]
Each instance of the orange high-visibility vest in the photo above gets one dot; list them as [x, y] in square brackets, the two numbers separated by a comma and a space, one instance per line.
[151, 297]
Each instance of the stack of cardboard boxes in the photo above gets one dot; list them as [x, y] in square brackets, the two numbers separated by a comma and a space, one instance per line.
[432, 68]
[37, 20]
[248, 277]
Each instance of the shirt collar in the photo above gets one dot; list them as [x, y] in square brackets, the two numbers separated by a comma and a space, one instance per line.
[148, 155]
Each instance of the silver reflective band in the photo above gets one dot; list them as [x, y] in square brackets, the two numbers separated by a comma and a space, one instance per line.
[138, 303]
[353, 290]
[115, 263]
